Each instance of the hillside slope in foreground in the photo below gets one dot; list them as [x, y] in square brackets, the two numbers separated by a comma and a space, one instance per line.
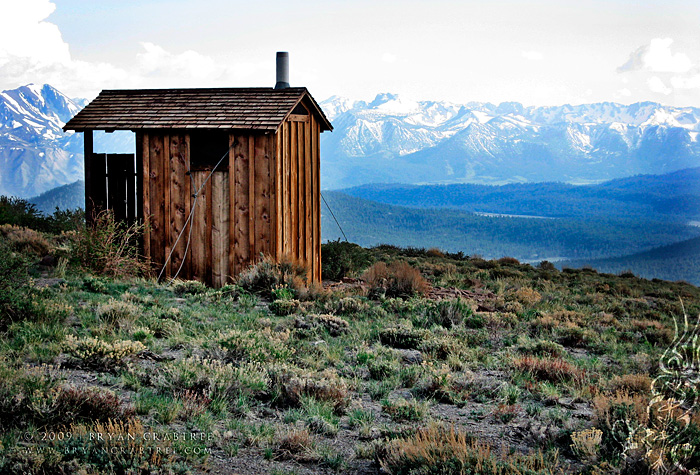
[428, 364]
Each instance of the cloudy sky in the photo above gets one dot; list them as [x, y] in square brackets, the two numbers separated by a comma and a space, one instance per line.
[538, 52]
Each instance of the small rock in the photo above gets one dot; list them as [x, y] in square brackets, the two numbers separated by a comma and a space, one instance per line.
[48, 282]
[411, 356]
[149, 355]
[318, 343]
[566, 402]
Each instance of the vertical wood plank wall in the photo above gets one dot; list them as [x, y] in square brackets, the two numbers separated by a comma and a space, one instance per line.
[265, 202]
[297, 181]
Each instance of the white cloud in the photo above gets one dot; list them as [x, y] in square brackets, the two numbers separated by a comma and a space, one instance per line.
[25, 34]
[624, 92]
[533, 55]
[389, 58]
[657, 85]
[156, 61]
[680, 82]
[657, 57]
[33, 50]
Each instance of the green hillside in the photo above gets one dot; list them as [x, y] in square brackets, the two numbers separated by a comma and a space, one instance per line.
[370, 223]
[421, 363]
[671, 196]
[680, 261]
[64, 197]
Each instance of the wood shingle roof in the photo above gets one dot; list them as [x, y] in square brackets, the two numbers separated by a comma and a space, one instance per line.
[261, 109]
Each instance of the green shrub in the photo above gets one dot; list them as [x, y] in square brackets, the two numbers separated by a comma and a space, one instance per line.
[346, 305]
[283, 307]
[189, 287]
[14, 277]
[282, 293]
[401, 410]
[402, 337]
[340, 258]
[115, 311]
[19, 212]
[382, 368]
[543, 348]
[256, 345]
[94, 285]
[451, 312]
[289, 385]
[27, 394]
[268, 276]
[213, 379]
[336, 326]
[100, 354]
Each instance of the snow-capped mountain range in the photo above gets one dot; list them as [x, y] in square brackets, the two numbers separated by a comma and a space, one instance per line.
[393, 140]
[35, 154]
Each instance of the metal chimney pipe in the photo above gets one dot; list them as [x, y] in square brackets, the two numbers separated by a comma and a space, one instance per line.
[282, 70]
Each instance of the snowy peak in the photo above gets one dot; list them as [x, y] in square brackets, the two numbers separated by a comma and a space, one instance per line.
[40, 108]
[336, 105]
[35, 153]
[441, 142]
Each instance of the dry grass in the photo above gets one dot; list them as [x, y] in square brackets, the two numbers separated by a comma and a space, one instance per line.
[269, 274]
[25, 240]
[621, 405]
[586, 443]
[438, 450]
[527, 296]
[90, 404]
[553, 370]
[398, 279]
[296, 444]
[110, 247]
[632, 383]
[434, 252]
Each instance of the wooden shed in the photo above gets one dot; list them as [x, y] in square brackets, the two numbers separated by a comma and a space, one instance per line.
[258, 151]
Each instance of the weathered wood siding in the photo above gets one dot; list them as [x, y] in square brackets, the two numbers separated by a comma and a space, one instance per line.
[236, 217]
[297, 203]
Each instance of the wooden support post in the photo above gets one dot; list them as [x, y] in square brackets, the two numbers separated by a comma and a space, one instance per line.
[131, 203]
[232, 236]
[145, 193]
[139, 178]
[89, 208]
[251, 198]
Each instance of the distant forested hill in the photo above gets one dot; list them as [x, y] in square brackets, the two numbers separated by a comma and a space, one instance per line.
[583, 238]
[369, 223]
[70, 196]
[680, 261]
[674, 195]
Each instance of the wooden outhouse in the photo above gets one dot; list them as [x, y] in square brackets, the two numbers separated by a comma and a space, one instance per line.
[253, 152]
